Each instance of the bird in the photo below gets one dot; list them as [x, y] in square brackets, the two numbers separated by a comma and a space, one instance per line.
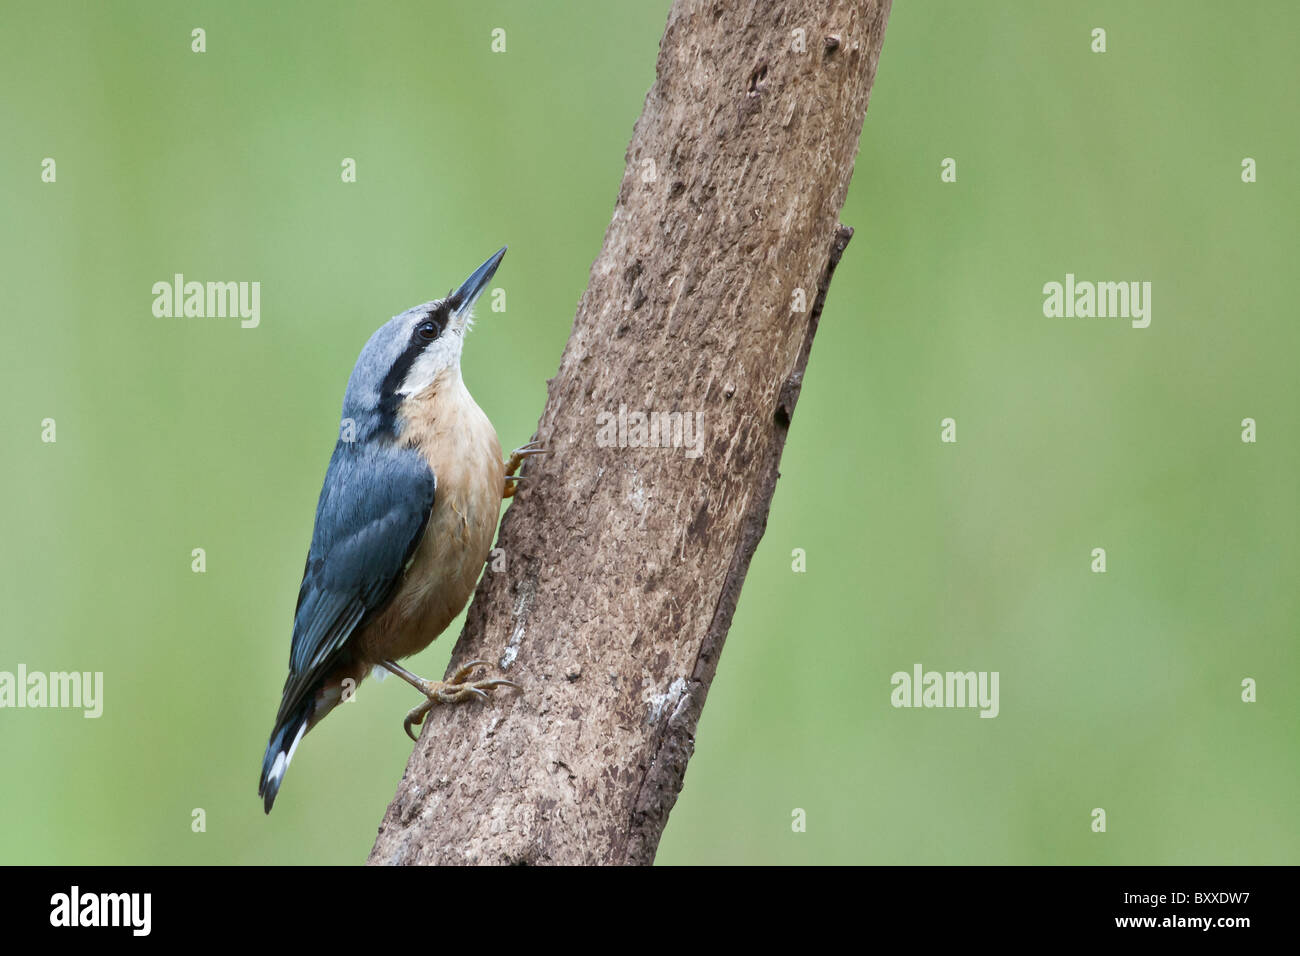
[404, 524]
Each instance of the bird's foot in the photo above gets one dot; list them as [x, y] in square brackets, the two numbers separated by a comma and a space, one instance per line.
[512, 465]
[459, 688]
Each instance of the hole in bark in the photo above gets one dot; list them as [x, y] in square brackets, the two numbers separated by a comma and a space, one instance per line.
[757, 77]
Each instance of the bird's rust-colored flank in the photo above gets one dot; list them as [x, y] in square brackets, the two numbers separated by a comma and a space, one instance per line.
[454, 435]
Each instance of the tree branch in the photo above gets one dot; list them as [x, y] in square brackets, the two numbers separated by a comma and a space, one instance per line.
[624, 560]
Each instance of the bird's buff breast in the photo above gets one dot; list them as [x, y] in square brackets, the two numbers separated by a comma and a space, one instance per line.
[461, 446]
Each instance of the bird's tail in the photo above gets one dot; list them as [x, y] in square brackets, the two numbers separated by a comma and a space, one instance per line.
[284, 741]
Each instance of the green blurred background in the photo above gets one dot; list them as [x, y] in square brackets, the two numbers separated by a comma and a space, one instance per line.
[1118, 690]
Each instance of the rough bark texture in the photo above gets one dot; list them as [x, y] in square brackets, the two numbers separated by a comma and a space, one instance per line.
[623, 565]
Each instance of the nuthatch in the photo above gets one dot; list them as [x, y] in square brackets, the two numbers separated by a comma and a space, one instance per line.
[403, 526]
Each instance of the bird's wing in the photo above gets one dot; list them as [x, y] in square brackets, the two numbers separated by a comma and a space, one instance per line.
[371, 516]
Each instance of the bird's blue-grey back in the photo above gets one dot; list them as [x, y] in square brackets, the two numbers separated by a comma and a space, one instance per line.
[371, 515]
[370, 518]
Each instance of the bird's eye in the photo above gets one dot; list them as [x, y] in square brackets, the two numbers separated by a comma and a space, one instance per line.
[427, 331]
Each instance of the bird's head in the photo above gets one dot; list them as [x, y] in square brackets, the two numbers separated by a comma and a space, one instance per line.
[414, 351]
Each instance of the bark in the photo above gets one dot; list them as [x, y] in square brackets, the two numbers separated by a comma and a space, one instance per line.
[623, 565]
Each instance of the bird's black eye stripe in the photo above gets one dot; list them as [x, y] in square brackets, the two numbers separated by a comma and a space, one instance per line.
[427, 330]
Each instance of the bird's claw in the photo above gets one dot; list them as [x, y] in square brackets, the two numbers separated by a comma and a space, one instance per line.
[533, 447]
[459, 688]
[415, 717]
[517, 458]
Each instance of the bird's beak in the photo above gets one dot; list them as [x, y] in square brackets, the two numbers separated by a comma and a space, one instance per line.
[464, 297]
